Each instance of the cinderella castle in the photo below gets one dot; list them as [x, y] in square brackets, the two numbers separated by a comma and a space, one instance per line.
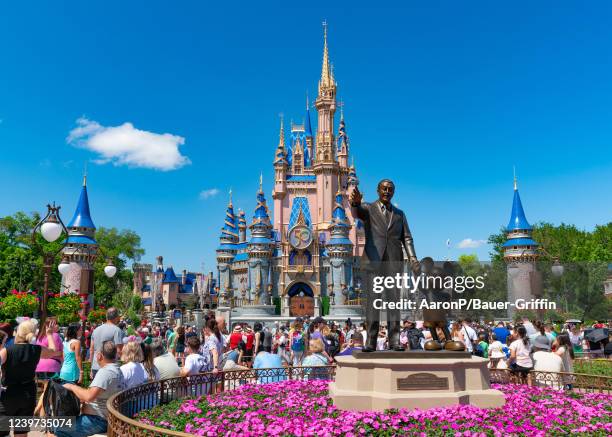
[304, 255]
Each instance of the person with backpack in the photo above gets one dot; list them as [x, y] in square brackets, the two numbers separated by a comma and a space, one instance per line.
[296, 342]
[482, 349]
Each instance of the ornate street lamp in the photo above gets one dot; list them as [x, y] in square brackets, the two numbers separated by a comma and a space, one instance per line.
[51, 228]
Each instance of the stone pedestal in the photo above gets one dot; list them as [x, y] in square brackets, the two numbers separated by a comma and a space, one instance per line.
[381, 380]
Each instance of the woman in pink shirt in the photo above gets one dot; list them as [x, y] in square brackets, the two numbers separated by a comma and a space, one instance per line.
[48, 367]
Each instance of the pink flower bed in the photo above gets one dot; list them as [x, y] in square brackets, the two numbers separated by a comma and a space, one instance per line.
[303, 408]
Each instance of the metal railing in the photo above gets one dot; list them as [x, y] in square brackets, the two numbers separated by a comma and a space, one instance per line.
[123, 407]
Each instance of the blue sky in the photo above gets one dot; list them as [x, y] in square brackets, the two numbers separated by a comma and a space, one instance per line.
[443, 98]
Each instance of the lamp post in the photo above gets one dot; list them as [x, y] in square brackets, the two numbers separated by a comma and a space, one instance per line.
[51, 228]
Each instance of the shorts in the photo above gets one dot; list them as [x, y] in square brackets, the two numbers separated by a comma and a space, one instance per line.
[515, 368]
[15, 402]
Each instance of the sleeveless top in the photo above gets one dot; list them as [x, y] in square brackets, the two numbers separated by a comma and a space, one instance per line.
[20, 367]
[70, 369]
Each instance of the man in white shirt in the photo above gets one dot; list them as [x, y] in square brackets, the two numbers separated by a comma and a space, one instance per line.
[469, 334]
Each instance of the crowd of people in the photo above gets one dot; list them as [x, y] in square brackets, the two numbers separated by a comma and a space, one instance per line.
[122, 356]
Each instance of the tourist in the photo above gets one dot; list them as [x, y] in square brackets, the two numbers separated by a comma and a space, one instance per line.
[501, 332]
[296, 339]
[170, 337]
[163, 361]
[72, 367]
[235, 337]
[258, 342]
[194, 362]
[566, 352]
[107, 382]
[496, 353]
[469, 335]
[520, 358]
[541, 331]
[354, 344]
[105, 332]
[18, 362]
[317, 359]
[48, 368]
[482, 349]
[147, 361]
[381, 341]
[267, 360]
[576, 338]
[212, 349]
[457, 333]
[281, 342]
[179, 346]
[7, 330]
[364, 332]
[529, 328]
[413, 336]
[223, 330]
[133, 371]
[546, 361]
[249, 341]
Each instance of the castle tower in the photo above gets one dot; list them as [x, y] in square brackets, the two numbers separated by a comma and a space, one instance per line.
[226, 252]
[343, 143]
[260, 248]
[340, 251]
[309, 152]
[325, 165]
[520, 254]
[241, 227]
[280, 175]
[81, 251]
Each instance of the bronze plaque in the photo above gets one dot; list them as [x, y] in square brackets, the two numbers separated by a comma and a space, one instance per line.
[422, 381]
[301, 306]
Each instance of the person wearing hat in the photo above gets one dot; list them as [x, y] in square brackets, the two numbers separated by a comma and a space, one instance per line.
[544, 360]
[235, 337]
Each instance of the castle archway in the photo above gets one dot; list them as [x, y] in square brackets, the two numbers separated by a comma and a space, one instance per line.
[301, 300]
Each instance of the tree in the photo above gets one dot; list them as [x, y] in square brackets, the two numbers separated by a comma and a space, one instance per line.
[121, 246]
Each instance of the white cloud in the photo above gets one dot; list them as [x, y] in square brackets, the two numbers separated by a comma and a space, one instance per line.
[468, 243]
[207, 194]
[126, 145]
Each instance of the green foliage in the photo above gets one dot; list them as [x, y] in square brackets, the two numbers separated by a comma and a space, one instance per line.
[134, 317]
[65, 308]
[593, 367]
[120, 246]
[18, 304]
[97, 316]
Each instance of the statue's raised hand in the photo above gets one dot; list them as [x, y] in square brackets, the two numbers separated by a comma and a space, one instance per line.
[356, 197]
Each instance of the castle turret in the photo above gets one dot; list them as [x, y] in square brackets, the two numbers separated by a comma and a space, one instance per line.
[80, 251]
[342, 147]
[241, 227]
[309, 151]
[260, 247]
[520, 253]
[227, 250]
[340, 250]
[280, 174]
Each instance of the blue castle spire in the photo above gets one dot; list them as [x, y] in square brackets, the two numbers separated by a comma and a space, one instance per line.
[307, 125]
[261, 226]
[229, 231]
[518, 221]
[82, 216]
[519, 230]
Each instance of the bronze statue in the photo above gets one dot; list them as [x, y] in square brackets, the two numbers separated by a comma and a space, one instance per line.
[387, 237]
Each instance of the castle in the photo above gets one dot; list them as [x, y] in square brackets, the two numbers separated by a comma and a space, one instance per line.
[306, 254]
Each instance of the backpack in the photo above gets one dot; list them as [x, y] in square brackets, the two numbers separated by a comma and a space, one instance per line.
[297, 342]
[57, 401]
[479, 351]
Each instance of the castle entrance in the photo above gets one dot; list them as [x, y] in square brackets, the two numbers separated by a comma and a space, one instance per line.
[301, 300]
